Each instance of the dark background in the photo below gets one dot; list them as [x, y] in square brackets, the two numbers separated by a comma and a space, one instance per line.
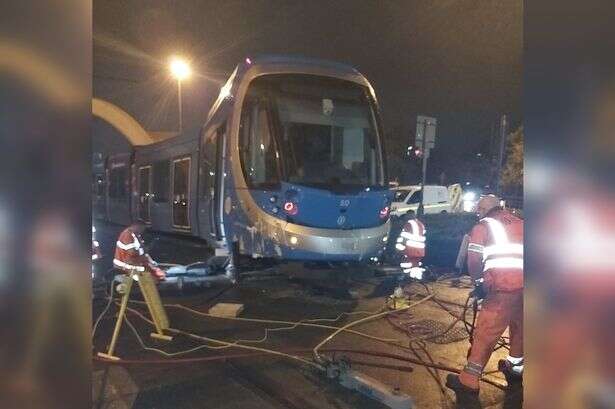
[456, 60]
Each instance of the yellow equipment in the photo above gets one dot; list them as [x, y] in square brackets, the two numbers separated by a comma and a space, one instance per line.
[154, 305]
[398, 299]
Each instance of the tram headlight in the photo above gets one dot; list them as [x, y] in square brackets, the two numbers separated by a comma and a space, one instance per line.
[294, 240]
[291, 208]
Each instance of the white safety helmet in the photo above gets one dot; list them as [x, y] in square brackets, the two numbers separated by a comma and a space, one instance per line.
[485, 204]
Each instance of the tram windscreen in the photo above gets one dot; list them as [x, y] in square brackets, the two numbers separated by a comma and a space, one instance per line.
[325, 129]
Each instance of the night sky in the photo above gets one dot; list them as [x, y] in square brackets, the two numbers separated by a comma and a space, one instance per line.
[456, 60]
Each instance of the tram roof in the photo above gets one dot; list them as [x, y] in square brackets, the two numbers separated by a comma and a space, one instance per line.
[274, 62]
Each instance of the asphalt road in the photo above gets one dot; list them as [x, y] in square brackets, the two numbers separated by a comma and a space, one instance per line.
[206, 380]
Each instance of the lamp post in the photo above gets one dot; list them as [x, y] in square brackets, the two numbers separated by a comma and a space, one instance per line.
[180, 71]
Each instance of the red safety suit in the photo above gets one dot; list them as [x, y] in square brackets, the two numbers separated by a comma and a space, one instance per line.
[495, 254]
[130, 256]
[411, 242]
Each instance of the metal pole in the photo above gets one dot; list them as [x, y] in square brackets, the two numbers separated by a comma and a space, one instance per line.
[421, 209]
[179, 103]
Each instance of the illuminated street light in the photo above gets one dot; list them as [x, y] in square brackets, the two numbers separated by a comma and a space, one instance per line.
[180, 69]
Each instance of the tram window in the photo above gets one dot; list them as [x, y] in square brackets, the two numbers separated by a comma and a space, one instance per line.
[161, 181]
[181, 190]
[258, 150]
[210, 160]
[321, 132]
[117, 183]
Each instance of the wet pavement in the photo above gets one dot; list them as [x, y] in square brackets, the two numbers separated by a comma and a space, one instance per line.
[202, 379]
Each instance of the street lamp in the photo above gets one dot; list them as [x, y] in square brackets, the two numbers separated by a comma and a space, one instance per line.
[180, 71]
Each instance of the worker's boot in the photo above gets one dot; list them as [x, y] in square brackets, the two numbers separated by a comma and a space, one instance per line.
[513, 371]
[453, 382]
[466, 397]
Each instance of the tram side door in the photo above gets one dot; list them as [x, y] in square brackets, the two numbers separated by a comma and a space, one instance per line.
[145, 193]
[181, 194]
[209, 197]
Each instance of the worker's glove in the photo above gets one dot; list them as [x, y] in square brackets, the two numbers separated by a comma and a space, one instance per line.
[478, 293]
[150, 260]
[158, 273]
[417, 273]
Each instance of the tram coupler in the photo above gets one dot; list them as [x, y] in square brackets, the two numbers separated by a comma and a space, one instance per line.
[341, 371]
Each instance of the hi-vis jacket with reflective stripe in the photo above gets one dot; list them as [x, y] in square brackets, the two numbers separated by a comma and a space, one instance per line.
[130, 255]
[411, 240]
[495, 251]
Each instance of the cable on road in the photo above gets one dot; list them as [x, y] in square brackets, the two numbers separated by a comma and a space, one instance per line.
[224, 344]
[104, 311]
[363, 320]
[292, 324]
[307, 350]
[255, 351]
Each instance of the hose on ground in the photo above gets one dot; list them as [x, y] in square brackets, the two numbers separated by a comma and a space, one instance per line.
[316, 353]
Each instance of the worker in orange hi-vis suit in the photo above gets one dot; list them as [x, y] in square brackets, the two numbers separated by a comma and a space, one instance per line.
[411, 242]
[130, 256]
[495, 262]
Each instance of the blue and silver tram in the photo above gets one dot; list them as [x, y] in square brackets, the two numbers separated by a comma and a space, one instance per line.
[289, 165]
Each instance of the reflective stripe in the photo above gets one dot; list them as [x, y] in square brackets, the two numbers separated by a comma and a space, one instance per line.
[411, 236]
[400, 247]
[473, 369]
[415, 244]
[135, 241]
[497, 230]
[127, 266]
[125, 246]
[94, 256]
[136, 245]
[518, 369]
[405, 265]
[400, 239]
[141, 252]
[503, 249]
[514, 361]
[475, 247]
[415, 227]
[505, 262]
[95, 243]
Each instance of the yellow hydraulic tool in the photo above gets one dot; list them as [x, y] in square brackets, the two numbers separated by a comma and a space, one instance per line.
[154, 305]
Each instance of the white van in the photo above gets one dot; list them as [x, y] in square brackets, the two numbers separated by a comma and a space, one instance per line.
[408, 198]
